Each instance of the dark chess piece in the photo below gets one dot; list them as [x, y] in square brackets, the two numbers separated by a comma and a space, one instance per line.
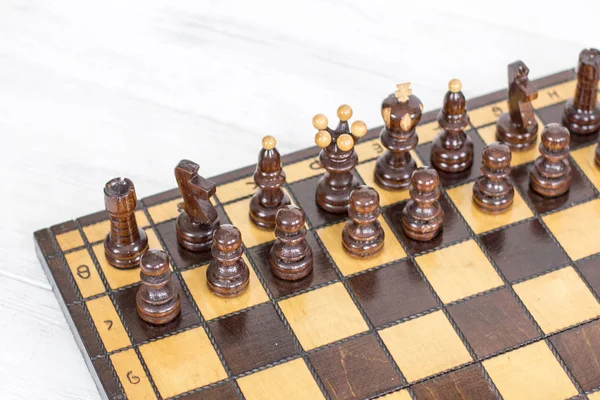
[452, 149]
[338, 158]
[291, 256]
[401, 112]
[518, 127]
[550, 175]
[157, 300]
[423, 216]
[196, 224]
[125, 243]
[582, 113]
[269, 177]
[363, 235]
[227, 274]
[493, 192]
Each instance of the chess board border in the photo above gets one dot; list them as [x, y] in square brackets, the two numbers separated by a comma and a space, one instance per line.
[106, 379]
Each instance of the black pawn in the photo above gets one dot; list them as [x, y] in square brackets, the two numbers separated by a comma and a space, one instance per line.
[423, 217]
[551, 173]
[291, 256]
[269, 177]
[363, 235]
[452, 149]
[227, 274]
[493, 192]
[157, 300]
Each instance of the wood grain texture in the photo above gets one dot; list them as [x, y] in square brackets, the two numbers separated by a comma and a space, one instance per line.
[78, 77]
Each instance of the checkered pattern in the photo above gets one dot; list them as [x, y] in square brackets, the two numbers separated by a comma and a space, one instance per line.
[503, 305]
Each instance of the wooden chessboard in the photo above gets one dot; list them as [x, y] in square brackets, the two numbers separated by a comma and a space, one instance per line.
[496, 305]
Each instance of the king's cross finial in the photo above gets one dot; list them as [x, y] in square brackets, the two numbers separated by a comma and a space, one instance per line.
[403, 92]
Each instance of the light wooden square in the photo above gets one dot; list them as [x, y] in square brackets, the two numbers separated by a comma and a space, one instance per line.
[116, 277]
[291, 381]
[99, 230]
[428, 132]
[462, 197]
[531, 372]
[399, 395]
[488, 134]
[323, 316]
[369, 149]
[585, 158]
[303, 169]
[108, 324]
[459, 271]
[595, 395]
[238, 213]
[213, 306]
[164, 211]
[69, 240]
[236, 189]
[386, 197]
[182, 362]
[575, 228]
[136, 384]
[558, 299]
[555, 94]
[488, 114]
[425, 346]
[85, 273]
[332, 239]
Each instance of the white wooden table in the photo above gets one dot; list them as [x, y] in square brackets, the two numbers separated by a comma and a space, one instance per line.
[94, 90]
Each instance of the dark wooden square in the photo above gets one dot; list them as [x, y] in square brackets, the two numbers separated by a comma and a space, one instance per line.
[580, 189]
[253, 338]
[323, 270]
[590, 269]
[554, 114]
[454, 229]
[465, 383]
[355, 369]
[304, 192]
[224, 391]
[142, 331]
[180, 257]
[580, 350]
[454, 179]
[523, 250]
[493, 322]
[393, 292]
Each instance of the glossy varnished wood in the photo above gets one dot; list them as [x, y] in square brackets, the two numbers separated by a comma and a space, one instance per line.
[493, 192]
[199, 219]
[363, 235]
[518, 127]
[423, 217]
[401, 112]
[452, 149]
[125, 243]
[157, 301]
[582, 113]
[227, 274]
[551, 174]
[291, 256]
[269, 177]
